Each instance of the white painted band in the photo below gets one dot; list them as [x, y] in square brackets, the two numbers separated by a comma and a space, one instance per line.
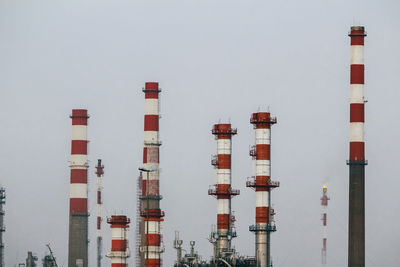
[152, 255]
[118, 259]
[263, 168]
[357, 93]
[119, 233]
[262, 199]
[357, 54]
[224, 146]
[356, 132]
[151, 227]
[78, 191]
[223, 206]
[79, 132]
[263, 136]
[151, 137]
[151, 106]
[118, 256]
[223, 178]
[79, 161]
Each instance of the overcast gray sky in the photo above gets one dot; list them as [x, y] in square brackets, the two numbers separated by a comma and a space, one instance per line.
[215, 60]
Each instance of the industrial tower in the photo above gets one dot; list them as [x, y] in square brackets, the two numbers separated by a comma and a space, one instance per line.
[324, 204]
[99, 173]
[262, 184]
[119, 244]
[223, 190]
[2, 227]
[356, 161]
[152, 216]
[78, 205]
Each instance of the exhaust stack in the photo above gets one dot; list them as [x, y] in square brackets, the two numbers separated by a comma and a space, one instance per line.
[78, 205]
[262, 184]
[223, 190]
[119, 244]
[357, 160]
[152, 216]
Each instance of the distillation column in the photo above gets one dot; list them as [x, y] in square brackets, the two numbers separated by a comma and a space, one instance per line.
[119, 244]
[357, 160]
[78, 205]
[99, 173]
[151, 236]
[262, 184]
[2, 227]
[223, 190]
[324, 204]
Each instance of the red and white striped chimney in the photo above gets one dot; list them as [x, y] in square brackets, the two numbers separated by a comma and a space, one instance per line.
[99, 173]
[223, 190]
[357, 99]
[151, 236]
[324, 204]
[357, 162]
[119, 244]
[262, 184]
[78, 222]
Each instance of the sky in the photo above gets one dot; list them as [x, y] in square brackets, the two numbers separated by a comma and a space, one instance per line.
[216, 61]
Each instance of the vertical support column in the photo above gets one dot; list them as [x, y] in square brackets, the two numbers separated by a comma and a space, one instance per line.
[2, 227]
[151, 237]
[223, 190]
[357, 160]
[119, 243]
[262, 184]
[324, 204]
[99, 173]
[78, 219]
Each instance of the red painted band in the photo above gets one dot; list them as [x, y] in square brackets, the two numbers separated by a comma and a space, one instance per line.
[222, 221]
[357, 38]
[154, 187]
[152, 240]
[119, 264]
[151, 122]
[145, 155]
[357, 74]
[98, 197]
[357, 150]
[151, 90]
[261, 183]
[261, 120]
[79, 176]
[79, 147]
[119, 225]
[356, 112]
[98, 223]
[151, 155]
[78, 205]
[224, 161]
[262, 214]
[152, 262]
[79, 117]
[119, 245]
[263, 152]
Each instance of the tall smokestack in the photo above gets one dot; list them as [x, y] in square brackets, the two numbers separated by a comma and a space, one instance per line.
[119, 244]
[223, 190]
[357, 160]
[99, 173]
[78, 205]
[151, 236]
[324, 204]
[262, 184]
